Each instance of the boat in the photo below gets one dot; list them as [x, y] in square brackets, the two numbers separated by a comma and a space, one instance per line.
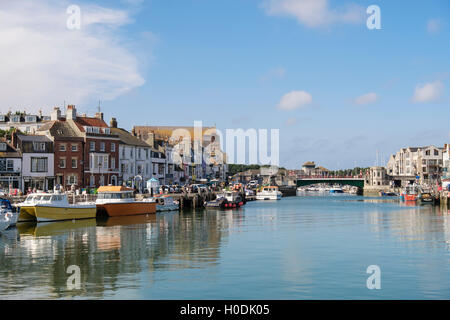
[4, 222]
[388, 194]
[8, 210]
[56, 207]
[336, 189]
[26, 208]
[410, 193]
[226, 200]
[426, 197]
[269, 193]
[116, 201]
[165, 203]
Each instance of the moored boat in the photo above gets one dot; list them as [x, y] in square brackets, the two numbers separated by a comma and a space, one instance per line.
[56, 207]
[269, 193]
[226, 200]
[410, 193]
[6, 209]
[166, 203]
[119, 201]
[336, 189]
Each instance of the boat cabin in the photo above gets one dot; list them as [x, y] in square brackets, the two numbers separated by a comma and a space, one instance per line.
[114, 194]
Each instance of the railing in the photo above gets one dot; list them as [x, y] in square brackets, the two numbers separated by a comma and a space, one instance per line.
[330, 177]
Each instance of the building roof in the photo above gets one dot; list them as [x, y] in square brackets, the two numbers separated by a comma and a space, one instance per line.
[309, 163]
[165, 132]
[81, 122]
[33, 138]
[59, 129]
[128, 139]
[10, 152]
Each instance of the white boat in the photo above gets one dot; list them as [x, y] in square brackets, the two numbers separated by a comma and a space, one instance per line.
[166, 203]
[4, 222]
[336, 189]
[269, 193]
[6, 209]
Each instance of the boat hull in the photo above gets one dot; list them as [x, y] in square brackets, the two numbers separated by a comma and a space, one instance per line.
[27, 214]
[54, 213]
[268, 197]
[126, 209]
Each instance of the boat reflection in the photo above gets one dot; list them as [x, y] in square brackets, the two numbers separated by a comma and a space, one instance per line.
[44, 229]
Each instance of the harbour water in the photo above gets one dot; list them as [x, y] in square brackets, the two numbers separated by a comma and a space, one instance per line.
[309, 247]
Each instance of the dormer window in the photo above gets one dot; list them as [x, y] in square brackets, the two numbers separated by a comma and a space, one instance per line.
[15, 119]
[107, 131]
[2, 118]
[30, 118]
[2, 146]
[95, 130]
[88, 129]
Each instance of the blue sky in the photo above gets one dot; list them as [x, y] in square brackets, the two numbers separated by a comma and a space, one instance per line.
[230, 63]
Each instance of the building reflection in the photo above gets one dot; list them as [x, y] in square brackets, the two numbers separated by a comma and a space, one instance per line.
[111, 254]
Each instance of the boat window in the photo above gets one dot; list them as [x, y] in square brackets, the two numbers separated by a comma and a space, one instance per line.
[46, 198]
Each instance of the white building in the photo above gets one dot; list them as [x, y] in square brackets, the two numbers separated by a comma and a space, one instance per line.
[135, 158]
[28, 123]
[446, 166]
[37, 161]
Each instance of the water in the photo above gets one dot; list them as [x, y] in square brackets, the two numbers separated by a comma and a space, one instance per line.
[296, 248]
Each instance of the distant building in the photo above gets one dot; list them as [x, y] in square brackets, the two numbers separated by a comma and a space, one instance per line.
[446, 166]
[377, 176]
[27, 123]
[426, 163]
[309, 169]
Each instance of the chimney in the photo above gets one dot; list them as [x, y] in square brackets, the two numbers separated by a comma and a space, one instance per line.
[113, 123]
[71, 112]
[56, 114]
[99, 115]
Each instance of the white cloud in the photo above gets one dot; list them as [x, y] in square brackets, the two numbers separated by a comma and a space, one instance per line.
[428, 92]
[294, 100]
[45, 63]
[367, 98]
[314, 13]
[434, 26]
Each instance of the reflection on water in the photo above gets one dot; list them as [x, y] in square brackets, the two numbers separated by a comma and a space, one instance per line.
[296, 248]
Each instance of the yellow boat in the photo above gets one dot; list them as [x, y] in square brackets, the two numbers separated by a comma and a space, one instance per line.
[54, 207]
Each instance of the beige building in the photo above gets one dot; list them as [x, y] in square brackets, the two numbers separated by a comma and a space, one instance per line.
[424, 162]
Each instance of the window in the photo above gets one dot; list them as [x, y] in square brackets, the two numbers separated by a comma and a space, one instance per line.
[39, 164]
[436, 152]
[95, 129]
[427, 153]
[88, 129]
[74, 147]
[122, 168]
[6, 165]
[62, 163]
[92, 181]
[92, 146]
[62, 147]
[15, 119]
[74, 163]
[72, 179]
[113, 163]
[146, 153]
[2, 118]
[30, 119]
[113, 147]
[102, 146]
[2, 146]
[139, 153]
[131, 152]
[39, 146]
[106, 131]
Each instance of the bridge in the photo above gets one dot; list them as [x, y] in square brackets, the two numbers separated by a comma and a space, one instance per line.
[349, 180]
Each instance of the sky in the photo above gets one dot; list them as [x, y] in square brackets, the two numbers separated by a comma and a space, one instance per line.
[341, 94]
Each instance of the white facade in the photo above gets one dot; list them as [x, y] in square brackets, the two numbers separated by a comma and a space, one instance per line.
[37, 169]
[135, 165]
[25, 123]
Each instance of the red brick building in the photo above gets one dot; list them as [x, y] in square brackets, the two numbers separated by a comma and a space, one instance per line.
[95, 160]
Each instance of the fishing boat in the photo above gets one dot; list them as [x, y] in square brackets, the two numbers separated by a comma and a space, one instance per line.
[119, 201]
[410, 193]
[165, 203]
[56, 207]
[426, 197]
[226, 200]
[269, 193]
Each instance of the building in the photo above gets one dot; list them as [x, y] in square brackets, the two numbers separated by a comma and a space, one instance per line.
[309, 169]
[416, 163]
[446, 166]
[10, 167]
[27, 123]
[37, 161]
[377, 176]
[193, 155]
[68, 148]
[135, 158]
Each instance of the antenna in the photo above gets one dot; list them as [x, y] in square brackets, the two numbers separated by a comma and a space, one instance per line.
[98, 105]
